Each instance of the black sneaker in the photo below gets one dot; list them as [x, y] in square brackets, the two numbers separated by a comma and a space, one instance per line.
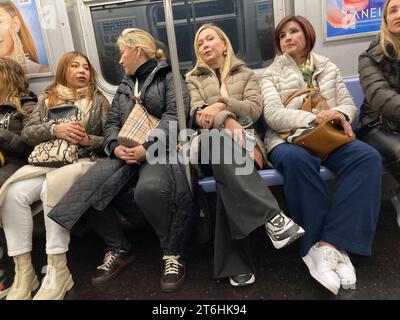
[174, 273]
[242, 280]
[282, 230]
[113, 263]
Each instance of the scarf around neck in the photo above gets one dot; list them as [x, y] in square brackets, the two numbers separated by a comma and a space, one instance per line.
[307, 70]
[223, 88]
[76, 97]
[70, 95]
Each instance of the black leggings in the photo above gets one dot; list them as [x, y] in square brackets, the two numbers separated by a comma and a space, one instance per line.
[151, 192]
[387, 144]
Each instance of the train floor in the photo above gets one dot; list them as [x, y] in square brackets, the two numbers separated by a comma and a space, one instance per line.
[281, 274]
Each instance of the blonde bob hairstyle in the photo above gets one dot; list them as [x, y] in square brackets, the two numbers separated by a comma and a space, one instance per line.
[138, 38]
[388, 37]
[229, 51]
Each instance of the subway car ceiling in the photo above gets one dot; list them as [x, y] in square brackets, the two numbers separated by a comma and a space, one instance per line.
[92, 27]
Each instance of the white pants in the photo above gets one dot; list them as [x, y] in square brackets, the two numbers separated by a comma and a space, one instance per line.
[17, 220]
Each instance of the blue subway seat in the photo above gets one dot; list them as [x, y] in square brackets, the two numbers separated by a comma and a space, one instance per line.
[354, 87]
[272, 177]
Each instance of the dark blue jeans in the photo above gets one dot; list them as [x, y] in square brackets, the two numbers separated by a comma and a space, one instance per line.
[348, 218]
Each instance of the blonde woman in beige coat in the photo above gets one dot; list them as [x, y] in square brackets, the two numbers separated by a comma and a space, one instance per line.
[225, 93]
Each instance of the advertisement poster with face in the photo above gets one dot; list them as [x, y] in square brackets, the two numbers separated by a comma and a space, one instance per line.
[351, 18]
[21, 36]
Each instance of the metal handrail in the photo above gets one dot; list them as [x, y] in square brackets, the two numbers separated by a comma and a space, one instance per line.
[173, 51]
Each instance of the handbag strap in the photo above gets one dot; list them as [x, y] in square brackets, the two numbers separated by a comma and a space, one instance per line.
[136, 94]
[296, 94]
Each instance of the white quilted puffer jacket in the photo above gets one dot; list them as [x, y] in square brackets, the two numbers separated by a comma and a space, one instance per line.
[282, 78]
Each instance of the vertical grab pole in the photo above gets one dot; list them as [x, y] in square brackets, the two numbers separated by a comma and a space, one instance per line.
[284, 7]
[176, 75]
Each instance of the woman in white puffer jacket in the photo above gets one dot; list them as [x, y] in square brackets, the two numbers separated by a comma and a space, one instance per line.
[346, 221]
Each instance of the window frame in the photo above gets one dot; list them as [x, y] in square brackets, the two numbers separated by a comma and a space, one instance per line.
[91, 48]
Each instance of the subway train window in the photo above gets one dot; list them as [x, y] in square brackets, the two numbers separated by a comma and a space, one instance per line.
[248, 23]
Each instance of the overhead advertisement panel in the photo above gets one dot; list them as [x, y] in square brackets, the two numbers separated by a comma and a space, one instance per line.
[22, 34]
[351, 18]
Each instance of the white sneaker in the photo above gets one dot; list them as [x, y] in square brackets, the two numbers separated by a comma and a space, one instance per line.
[282, 230]
[322, 263]
[242, 280]
[346, 271]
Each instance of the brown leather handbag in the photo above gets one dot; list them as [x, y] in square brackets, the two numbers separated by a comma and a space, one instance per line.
[321, 139]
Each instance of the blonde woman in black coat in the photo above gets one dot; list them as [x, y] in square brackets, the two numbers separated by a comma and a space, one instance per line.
[379, 68]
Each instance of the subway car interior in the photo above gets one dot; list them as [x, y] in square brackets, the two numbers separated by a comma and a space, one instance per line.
[93, 27]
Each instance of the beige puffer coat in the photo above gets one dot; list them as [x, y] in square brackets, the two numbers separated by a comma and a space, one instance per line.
[243, 89]
[282, 78]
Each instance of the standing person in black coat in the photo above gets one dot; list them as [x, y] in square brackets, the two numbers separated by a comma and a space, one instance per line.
[379, 71]
[16, 104]
[159, 190]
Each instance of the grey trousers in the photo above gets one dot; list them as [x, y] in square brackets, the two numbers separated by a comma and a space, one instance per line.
[244, 203]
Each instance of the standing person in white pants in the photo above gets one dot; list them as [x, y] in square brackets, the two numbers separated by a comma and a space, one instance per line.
[75, 84]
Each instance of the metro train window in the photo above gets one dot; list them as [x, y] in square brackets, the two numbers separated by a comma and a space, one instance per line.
[248, 23]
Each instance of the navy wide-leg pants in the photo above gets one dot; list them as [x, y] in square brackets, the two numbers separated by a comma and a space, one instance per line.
[348, 218]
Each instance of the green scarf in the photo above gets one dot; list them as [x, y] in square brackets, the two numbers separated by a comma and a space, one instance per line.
[307, 70]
